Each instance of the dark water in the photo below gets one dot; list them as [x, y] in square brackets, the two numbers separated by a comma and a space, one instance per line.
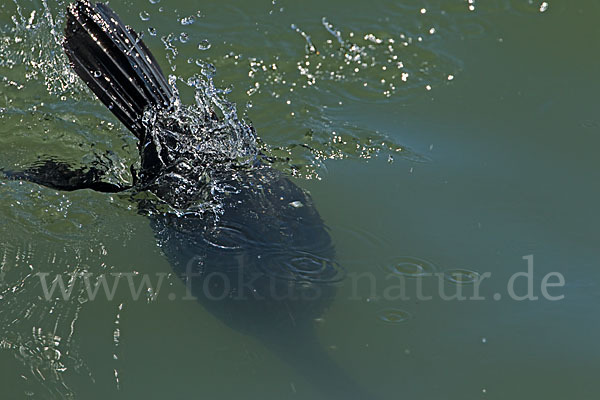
[477, 150]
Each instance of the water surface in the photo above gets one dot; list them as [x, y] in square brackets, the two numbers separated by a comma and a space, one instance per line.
[447, 137]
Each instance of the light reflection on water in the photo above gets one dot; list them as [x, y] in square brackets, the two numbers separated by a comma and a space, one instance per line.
[326, 108]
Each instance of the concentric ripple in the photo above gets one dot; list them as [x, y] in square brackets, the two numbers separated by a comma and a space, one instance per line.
[301, 266]
[411, 267]
[462, 276]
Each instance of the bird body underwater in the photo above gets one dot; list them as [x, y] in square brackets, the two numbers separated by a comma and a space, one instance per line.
[260, 258]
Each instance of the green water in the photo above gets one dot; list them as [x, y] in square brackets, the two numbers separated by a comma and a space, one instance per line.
[482, 154]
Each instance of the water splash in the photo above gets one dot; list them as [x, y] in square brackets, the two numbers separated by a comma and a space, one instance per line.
[33, 45]
[381, 64]
[326, 138]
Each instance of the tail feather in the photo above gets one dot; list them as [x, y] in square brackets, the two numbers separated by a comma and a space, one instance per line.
[115, 64]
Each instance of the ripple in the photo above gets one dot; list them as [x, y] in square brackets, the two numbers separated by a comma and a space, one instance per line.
[394, 316]
[365, 238]
[590, 124]
[411, 267]
[227, 237]
[462, 276]
[334, 140]
[300, 266]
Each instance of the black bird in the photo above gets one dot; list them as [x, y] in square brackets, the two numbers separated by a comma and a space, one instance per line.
[259, 258]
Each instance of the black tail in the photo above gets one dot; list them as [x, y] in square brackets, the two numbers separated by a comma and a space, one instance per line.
[114, 62]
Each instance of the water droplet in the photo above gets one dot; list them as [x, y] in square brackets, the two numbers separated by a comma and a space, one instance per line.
[411, 267]
[183, 37]
[187, 20]
[394, 316]
[144, 16]
[544, 6]
[462, 276]
[51, 353]
[152, 31]
[204, 45]
[154, 1]
[208, 70]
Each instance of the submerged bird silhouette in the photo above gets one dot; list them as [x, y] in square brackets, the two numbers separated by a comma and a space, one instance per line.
[262, 261]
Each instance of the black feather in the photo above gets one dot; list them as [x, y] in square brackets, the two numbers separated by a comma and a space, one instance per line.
[115, 64]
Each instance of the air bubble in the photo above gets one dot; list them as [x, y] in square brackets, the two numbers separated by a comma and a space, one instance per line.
[204, 45]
